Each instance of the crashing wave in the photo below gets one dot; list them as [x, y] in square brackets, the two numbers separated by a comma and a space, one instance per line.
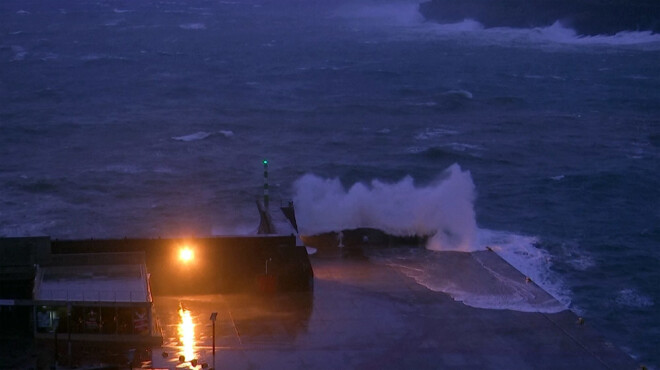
[442, 211]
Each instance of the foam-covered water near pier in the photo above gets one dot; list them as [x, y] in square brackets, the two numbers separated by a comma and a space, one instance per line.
[525, 282]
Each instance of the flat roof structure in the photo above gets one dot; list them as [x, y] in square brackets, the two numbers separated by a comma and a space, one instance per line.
[92, 283]
[101, 278]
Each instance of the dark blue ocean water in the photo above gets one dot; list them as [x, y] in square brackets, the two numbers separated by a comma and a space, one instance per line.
[122, 118]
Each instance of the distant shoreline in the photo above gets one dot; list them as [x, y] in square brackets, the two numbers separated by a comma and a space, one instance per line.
[587, 18]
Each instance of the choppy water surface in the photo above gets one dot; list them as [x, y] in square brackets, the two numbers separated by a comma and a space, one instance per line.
[151, 119]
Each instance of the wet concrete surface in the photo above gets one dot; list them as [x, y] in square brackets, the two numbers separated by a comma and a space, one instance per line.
[363, 315]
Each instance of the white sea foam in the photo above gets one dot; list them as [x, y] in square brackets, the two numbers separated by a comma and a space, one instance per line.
[573, 255]
[49, 56]
[633, 298]
[23, 12]
[443, 209]
[463, 147]
[521, 252]
[555, 34]
[101, 57]
[192, 26]
[484, 281]
[561, 34]
[416, 149]
[201, 135]
[433, 132]
[459, 93]
[113, 22]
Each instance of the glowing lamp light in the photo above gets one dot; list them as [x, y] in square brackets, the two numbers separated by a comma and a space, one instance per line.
[186, 254]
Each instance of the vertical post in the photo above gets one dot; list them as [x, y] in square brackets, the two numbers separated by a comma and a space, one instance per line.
[68, 328]
[149, 317]
[212, 318]
[266, 184]
[56, 323]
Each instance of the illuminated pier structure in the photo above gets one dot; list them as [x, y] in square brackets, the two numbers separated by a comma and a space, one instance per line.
[362, 313]
[96, 304]
[100, 291]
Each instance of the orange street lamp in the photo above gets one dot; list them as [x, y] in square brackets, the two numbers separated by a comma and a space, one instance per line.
[186, 254]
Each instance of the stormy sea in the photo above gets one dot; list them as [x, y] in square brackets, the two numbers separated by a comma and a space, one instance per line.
[152, 119]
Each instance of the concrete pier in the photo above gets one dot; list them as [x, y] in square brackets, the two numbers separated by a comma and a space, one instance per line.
[364, 315]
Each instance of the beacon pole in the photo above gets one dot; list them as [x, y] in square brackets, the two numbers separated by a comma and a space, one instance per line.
[266, 184]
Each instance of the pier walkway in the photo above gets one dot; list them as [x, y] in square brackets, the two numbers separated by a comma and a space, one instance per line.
[364, 315]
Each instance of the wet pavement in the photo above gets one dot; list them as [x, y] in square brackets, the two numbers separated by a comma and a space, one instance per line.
[364, 315]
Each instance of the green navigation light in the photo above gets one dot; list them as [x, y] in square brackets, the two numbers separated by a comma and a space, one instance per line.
[265, 161]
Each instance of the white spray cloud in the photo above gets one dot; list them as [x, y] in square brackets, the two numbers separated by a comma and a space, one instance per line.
[443, 209]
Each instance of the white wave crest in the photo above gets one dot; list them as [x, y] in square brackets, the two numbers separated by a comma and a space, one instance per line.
[443, 209]
[555, 34]
[201, 135]
[459, 93]
[433, 132]
[558, 33]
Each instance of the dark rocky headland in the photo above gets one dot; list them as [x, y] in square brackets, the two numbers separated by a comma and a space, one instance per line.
[586, 17]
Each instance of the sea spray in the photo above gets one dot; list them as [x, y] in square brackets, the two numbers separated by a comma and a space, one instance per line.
[443, 209]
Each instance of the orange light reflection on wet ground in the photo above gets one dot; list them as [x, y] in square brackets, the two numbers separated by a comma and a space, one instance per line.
[186, 334]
